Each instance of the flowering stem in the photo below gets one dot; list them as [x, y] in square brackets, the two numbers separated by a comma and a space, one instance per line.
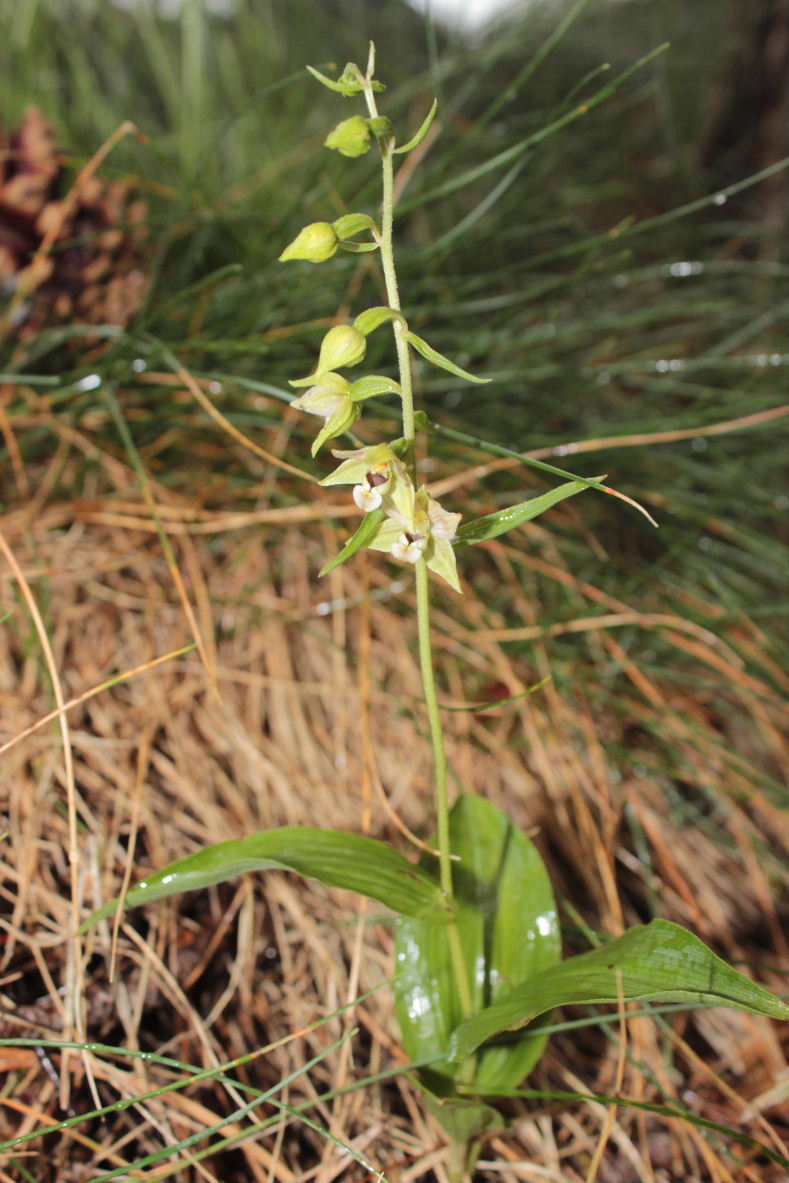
[386, 144]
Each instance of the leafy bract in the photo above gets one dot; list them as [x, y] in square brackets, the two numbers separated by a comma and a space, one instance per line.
[417, 138]
[494, 524]
[508, 930]
[659, 961]
[432, 355]
[352, 861]
[368, 528]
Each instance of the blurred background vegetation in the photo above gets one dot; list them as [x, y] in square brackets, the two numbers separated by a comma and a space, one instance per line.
[596, 267]
[599, 226]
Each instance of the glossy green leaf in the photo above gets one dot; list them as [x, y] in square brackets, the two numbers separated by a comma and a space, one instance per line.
[494, 524]
[438, 359]
[367, 530]
[416, 139]
[657, 962]
[352, 861]
[509, 932]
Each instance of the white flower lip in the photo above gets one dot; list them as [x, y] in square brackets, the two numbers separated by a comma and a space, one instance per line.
[367, 498]
[409, 547]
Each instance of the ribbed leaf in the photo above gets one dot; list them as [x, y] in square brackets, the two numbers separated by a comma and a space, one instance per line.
[659, 961]
[352, 861]
[368, 528]
[432, 355]
[494, 524]
[507, 920]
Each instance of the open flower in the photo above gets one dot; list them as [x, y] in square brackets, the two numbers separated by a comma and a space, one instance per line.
[379, 478]
[330, 399]
[427, 534]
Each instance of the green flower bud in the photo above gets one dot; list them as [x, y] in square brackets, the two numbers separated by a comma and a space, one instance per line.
[342, 346]
[351, 137]
[316, 243]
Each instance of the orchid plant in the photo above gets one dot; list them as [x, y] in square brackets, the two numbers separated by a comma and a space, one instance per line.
[477, 946]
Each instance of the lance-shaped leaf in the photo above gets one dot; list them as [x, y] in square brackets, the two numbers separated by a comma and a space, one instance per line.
[508, 931]
[416, 140]
[494, 524]
[438, 359]
[657, 962]
[352, 861]
[366, 531]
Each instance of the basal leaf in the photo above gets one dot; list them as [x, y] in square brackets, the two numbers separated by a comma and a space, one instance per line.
[507, 920]
[438, 359]
[368, 528]
[337, 859]
[659, 961]
[494, 524]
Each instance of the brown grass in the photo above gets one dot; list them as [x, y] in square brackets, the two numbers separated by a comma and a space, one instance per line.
[301, 711]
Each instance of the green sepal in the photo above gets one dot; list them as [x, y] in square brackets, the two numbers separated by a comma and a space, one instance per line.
[372, 318]
[341, 421]
[438, 359]
[367, 529]
[656, 962]
[351, 224]
[416, 140]
[372, 385]
[351, 861]
[347, 84]
[494, 524]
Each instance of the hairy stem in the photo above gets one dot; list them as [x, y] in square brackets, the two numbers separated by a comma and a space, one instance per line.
[386, 144]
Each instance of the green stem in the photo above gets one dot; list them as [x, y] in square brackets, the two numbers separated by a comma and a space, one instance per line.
[386, 144]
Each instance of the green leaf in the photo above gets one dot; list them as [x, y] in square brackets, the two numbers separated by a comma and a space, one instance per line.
[508, 928]
[416, 140]
[372, 318]
[371, 385]
[352, 861]
[659, 961]
[367, 530]
[438, 359]
[494, 524]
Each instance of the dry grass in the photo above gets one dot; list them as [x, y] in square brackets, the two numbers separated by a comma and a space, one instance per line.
[301, 712]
